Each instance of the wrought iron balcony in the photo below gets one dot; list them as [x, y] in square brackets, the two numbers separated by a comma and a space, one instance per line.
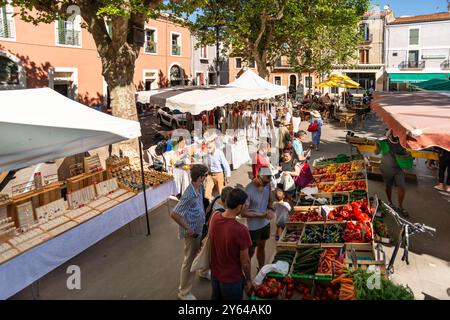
[280, 65]
[176, 50]
[7, 29]
[69, 37]
[150, 47]
[445, 65]
[412, 64]
[368, 39]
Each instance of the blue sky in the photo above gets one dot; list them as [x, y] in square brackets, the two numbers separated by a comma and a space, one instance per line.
[413, 7]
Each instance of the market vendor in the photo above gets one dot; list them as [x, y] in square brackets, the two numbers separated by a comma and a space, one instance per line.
[390, 170]
[219, 170]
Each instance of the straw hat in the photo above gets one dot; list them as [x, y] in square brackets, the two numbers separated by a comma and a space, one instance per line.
[315, 114]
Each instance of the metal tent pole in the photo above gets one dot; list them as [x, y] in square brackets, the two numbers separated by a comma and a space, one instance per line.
[143, 186]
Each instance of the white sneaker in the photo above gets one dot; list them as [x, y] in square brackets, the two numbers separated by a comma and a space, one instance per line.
[189, 296]
[206, 275]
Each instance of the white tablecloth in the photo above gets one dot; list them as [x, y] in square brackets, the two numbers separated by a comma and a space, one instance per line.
[23, 270]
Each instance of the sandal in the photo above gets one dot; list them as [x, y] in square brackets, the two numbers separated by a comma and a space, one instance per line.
[403, 212]
[439, 187]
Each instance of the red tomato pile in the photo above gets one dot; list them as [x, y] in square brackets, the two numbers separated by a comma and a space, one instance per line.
[358, 232]
[357, 211]
[301, 216]
[270, 289]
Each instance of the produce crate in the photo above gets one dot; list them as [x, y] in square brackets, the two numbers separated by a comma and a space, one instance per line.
[362, 243]
[358, 195]
[323, 286]
[333, 177]
[320, 162]
[289, 245]
[342, 196]
[309, 275]
[328, 225]
[259, 291]
[302, 244]
[339, 250]
[360, 162]
[323, 184]
[363, 251]
[303, 288]
[302, 211]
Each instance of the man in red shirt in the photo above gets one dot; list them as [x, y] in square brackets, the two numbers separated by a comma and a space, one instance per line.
[230, 241]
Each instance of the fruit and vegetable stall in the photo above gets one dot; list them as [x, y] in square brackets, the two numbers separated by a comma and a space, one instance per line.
[330, 247]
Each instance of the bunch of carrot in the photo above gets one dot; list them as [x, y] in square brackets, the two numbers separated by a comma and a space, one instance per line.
[347, 287]
[326, 261]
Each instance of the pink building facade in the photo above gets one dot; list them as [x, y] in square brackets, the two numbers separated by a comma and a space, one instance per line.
[63, 56]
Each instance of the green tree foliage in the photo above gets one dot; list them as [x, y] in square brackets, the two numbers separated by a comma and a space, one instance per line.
[119, 48]
[314, 34]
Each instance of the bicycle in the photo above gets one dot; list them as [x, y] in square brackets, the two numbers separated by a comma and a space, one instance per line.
[407, 229]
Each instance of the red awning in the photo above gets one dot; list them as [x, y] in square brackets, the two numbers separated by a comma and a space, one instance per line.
[420, 119]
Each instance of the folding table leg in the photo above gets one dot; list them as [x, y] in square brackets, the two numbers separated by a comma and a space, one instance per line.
[36, 295]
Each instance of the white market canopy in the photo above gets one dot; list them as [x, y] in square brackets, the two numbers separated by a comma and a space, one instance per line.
[251, 81]
[197, 99]
[38, 125]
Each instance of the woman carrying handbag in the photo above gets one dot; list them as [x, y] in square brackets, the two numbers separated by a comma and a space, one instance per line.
[315, 127]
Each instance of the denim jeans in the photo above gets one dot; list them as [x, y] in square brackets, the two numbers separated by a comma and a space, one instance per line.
[229, 291]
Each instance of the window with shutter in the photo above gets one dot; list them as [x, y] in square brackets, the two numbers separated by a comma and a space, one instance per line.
[413, 36]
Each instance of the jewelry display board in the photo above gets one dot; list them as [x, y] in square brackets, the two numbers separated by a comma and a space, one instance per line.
[50, 210]
[81, 197]
[106, 187]
[25, 214]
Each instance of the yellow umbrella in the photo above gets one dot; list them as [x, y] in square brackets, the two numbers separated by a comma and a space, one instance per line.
[328, 83]
[351, 84]
[345, 80]
[335, 77]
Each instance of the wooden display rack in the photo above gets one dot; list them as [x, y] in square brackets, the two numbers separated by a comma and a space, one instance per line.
[112, 165]
[38, 198]
[85, 179]
[92, 164]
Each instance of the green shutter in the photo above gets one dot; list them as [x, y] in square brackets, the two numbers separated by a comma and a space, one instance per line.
[5, 22]
[61, 31]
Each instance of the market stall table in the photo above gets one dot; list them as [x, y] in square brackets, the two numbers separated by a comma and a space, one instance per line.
[23, 270]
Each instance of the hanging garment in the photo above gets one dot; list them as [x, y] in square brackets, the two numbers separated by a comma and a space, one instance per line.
[296, 124]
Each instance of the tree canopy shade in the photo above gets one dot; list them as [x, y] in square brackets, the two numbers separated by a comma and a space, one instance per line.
[314, 34]
[118, 46]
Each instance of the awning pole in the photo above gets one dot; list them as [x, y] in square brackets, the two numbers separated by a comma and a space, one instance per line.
[143, 186]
